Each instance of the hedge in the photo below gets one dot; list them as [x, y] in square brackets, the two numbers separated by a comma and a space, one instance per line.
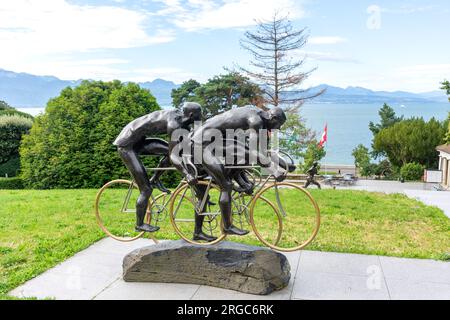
[11, 183]
[12, 128]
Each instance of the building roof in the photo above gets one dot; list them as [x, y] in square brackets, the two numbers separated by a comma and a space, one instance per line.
[444, 148]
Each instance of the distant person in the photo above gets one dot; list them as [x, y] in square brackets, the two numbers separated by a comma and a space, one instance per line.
[311, 174]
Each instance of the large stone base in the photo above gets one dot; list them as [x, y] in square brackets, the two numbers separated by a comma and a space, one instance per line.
[227, 265]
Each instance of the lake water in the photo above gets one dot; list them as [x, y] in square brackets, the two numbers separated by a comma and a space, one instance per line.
[348, 124]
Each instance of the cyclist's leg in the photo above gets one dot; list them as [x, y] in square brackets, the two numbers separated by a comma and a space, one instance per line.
[200, 191]
[216, 169]
[157, 147]
[131, 159]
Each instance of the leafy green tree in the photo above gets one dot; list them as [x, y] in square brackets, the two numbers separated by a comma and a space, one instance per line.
[295, 136]
[412, 140]
[185, 93]
[446, 87]
[12, 128]
[4, 105]
[447, 136]
[362, 160]
[313, 153]
[70, 145]
[387, 119]
[219, 94]
[384, 169]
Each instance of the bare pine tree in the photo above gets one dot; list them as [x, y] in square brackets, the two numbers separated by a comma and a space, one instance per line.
[277, 69]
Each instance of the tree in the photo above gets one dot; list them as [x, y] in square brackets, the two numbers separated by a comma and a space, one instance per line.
[362, 160]
[295, 136]
[12, 128]
[387, 119]
[313, 153]
[273, 46]
[446, 87]
[219, 94]
[4, 105]
[412, 140]
[447, 136]
[185, 93]
[70, 145]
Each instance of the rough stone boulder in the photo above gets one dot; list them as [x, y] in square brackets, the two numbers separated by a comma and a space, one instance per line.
[227, 265]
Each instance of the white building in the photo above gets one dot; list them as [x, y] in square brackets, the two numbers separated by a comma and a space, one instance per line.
[444, 163]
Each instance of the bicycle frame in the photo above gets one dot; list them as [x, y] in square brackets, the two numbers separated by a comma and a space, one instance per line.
[205, 197]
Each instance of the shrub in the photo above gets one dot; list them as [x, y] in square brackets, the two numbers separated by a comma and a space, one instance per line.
[11, 183]
[412, 171]
[70, 145]
[12, 127]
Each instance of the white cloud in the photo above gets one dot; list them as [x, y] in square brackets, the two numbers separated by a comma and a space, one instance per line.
[326, 40]
[32, 27]
[195, 15]
[408, 9]
[326, 56]
[50, 37]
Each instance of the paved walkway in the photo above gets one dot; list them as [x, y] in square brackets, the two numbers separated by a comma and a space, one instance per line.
[95, 273]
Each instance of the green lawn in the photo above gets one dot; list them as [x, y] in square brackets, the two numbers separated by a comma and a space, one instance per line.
[39, 229]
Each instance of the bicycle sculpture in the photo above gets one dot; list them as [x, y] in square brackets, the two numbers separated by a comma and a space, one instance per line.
[282, 215]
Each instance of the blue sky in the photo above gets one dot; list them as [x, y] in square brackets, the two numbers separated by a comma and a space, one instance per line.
[382, 45]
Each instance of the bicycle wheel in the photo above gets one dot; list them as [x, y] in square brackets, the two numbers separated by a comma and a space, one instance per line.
[115, 210]
[185, 204]
[299, 212]
[272, 229]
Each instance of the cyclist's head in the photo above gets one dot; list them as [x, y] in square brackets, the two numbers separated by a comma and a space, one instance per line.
[277, 118]
[192, 111]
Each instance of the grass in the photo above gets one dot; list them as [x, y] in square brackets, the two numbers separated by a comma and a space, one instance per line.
[39, 229]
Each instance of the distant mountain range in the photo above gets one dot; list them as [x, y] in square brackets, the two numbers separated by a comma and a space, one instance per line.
[363, 95]
[26, 90]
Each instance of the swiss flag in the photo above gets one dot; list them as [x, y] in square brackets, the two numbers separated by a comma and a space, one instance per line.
[324, 137]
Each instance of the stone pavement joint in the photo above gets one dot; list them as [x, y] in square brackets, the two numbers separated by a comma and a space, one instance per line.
[96, 273]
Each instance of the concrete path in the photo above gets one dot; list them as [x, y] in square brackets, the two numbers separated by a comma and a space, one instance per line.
[95, 273]
[388, 186]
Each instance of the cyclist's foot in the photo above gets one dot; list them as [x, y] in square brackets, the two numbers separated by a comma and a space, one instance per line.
[161, 187]
[235, 231]
[147, 228]
[248, 190]
[203, 237]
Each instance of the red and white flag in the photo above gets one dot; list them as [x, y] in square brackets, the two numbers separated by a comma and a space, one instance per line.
[324, 137]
